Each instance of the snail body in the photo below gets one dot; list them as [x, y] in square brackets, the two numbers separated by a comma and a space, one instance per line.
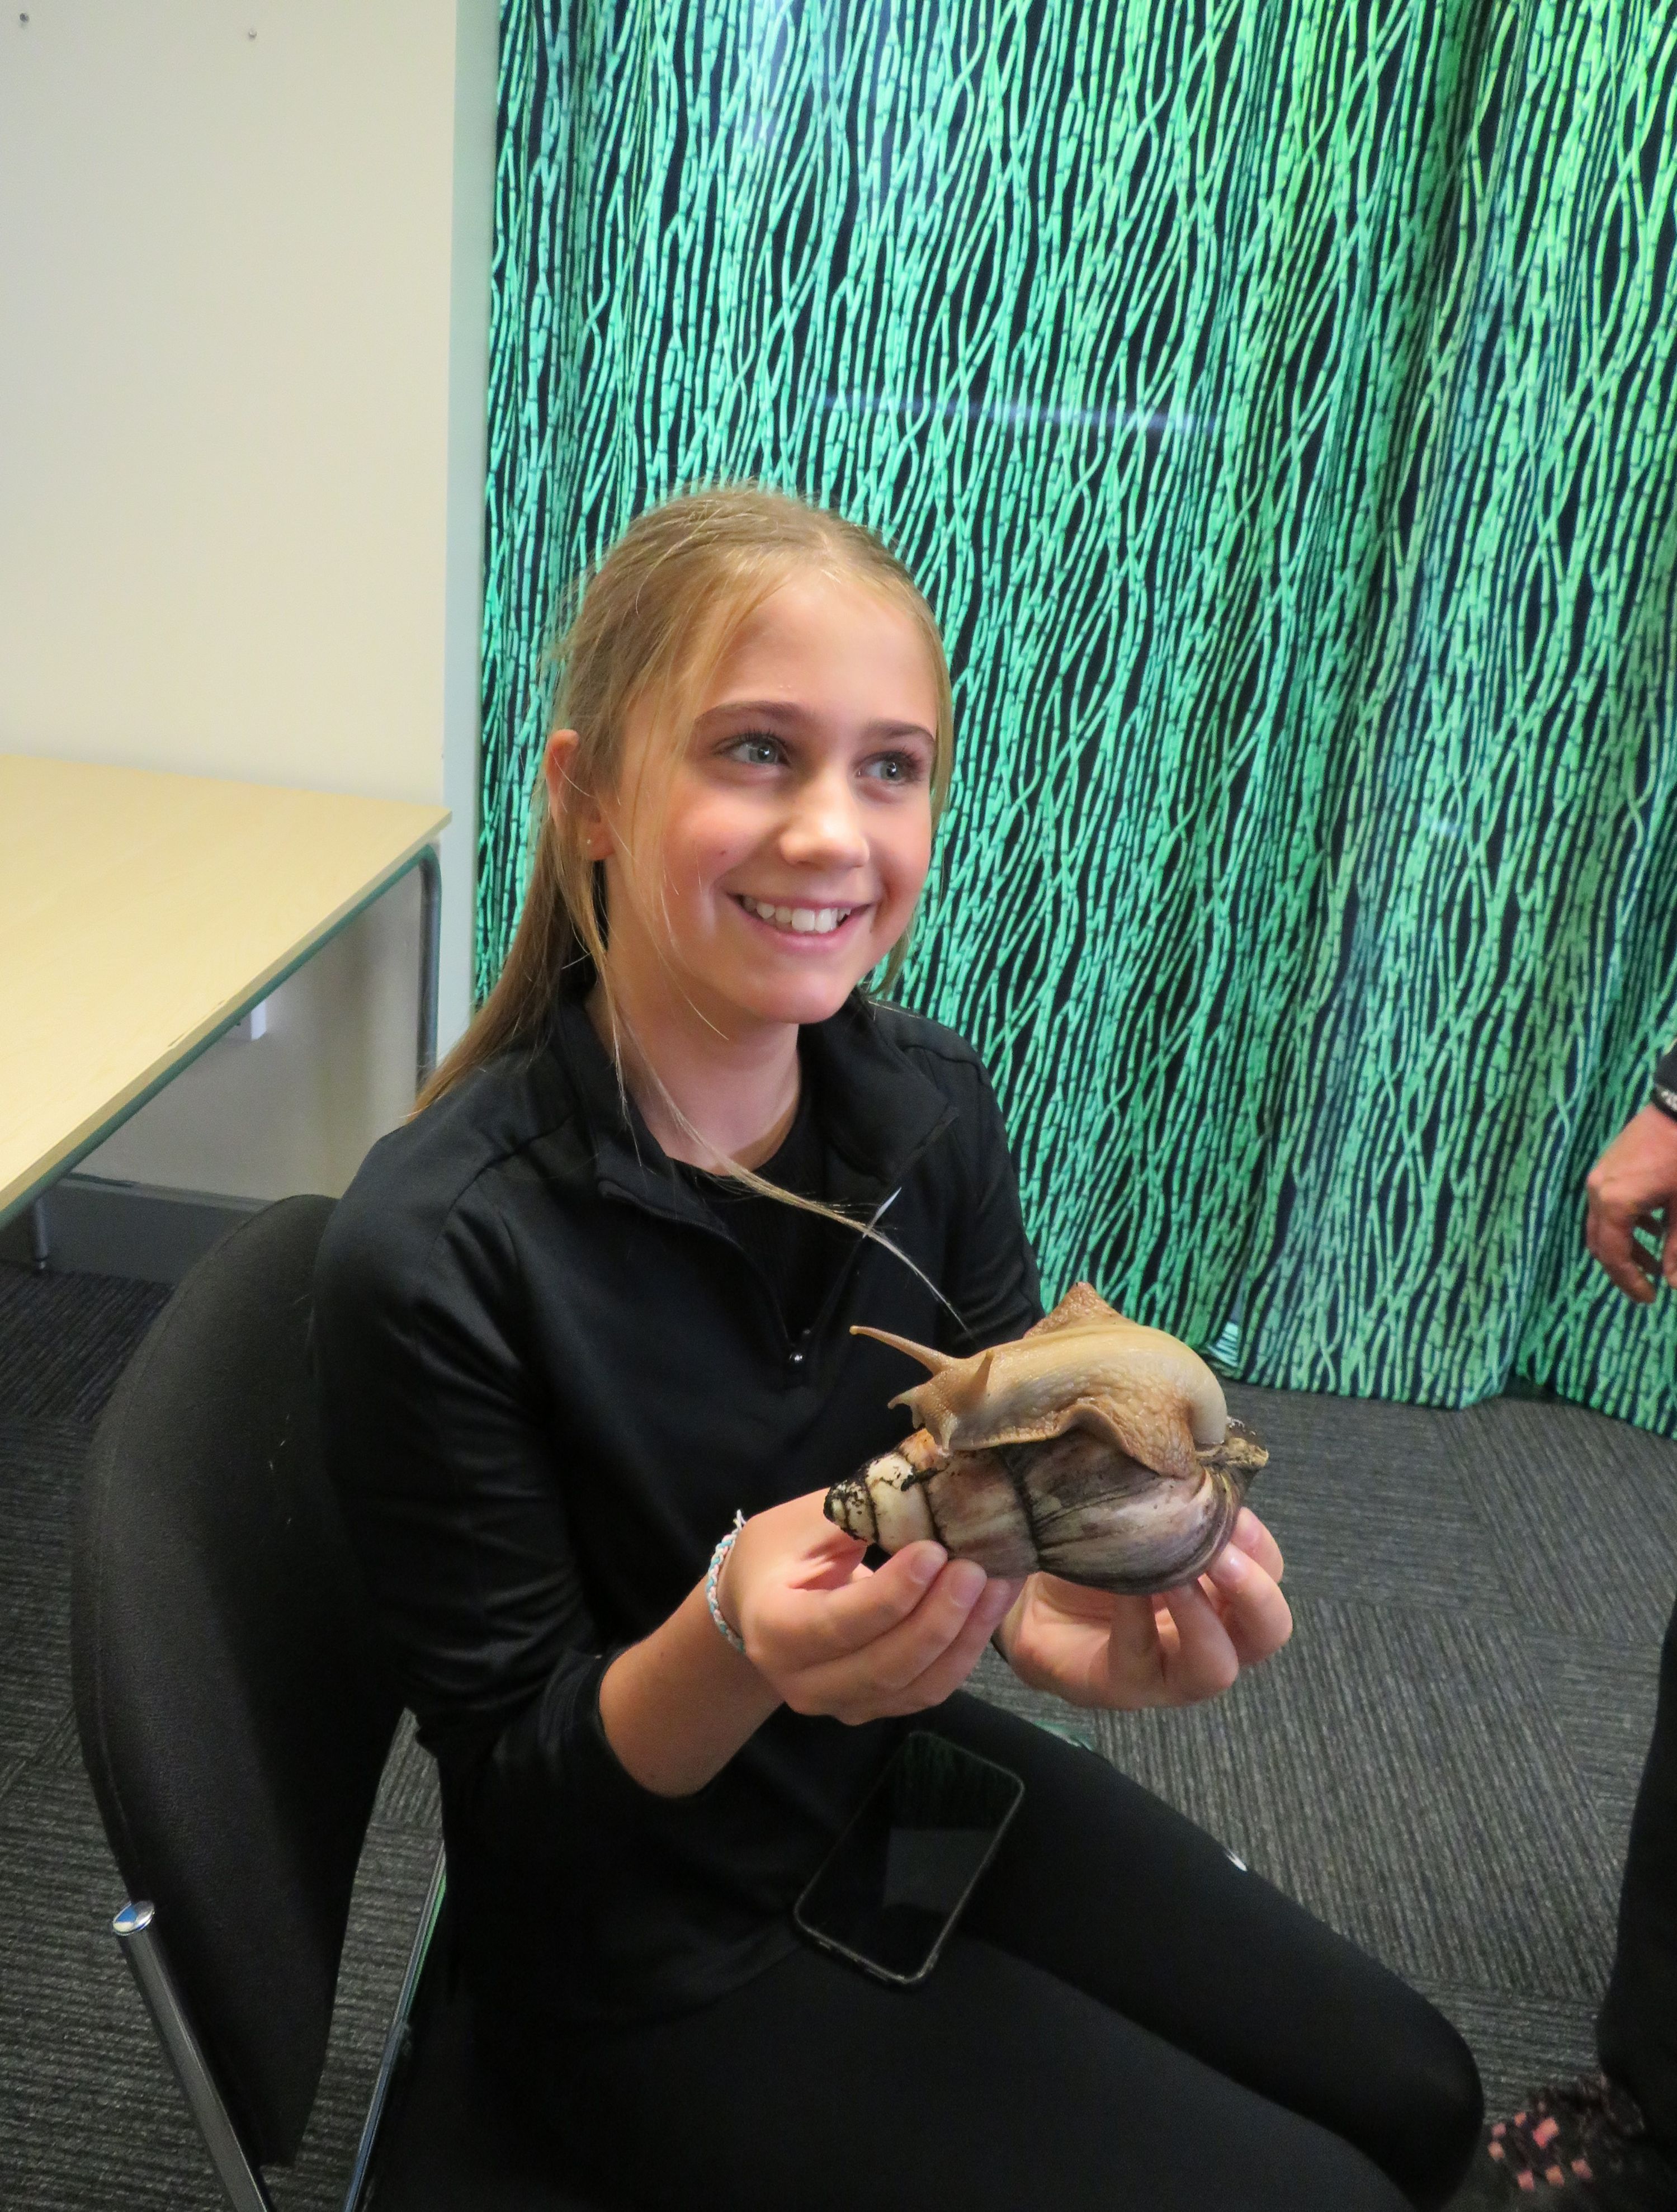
[1084, 1366]
[1112, 1463]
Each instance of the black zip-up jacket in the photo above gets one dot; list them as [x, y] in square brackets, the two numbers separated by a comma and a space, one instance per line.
[549, 1374]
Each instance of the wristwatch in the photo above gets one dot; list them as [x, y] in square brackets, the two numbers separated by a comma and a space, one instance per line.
[1665, 1084]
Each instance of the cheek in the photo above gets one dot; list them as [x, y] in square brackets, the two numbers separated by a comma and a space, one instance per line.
[704, 845]
[907, 858]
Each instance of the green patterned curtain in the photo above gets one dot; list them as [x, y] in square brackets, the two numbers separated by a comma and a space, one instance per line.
[1275, 398]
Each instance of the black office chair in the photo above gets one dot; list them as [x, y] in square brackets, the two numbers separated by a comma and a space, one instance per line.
[235, 1718]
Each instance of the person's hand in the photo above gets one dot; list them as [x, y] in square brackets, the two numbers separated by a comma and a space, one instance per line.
[1633, 1188]
[1093, 1649]
[832, 1636]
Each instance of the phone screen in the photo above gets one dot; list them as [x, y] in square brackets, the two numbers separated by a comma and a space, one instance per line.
[895, 1882]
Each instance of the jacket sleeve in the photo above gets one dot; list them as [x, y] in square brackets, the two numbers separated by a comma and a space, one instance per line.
[450, 1481]
[453, 1470]
[992, 1281]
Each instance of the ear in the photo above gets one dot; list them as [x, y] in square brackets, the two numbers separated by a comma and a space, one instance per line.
[566, 797]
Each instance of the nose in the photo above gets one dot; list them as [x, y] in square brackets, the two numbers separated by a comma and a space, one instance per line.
[824, 828]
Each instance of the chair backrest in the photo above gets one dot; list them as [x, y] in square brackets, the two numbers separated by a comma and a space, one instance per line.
[233, 1715]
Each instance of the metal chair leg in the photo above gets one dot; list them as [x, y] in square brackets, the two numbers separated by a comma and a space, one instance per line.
[134, 1929]
[399, 2036]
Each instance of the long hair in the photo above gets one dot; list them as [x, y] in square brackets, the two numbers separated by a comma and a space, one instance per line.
[655, 621]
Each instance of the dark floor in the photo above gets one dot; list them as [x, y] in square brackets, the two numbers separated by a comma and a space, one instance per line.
[1442, 1764]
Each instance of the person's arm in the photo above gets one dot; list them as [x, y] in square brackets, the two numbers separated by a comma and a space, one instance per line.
[676, 1706]
[451, 1483]
[1632, 1194]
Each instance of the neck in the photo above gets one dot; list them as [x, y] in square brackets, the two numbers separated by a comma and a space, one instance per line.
[708, 1095]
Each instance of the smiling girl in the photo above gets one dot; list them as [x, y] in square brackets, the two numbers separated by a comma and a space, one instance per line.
[596, 1297]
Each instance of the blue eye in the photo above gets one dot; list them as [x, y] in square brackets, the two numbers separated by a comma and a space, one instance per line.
[756, 748]
[895, 768]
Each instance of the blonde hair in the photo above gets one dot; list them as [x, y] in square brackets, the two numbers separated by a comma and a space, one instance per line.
[655, 621]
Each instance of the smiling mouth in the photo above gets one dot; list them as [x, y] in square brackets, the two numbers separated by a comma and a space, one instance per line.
[800, 920]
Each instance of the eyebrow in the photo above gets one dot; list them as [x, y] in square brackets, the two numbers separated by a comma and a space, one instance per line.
[788, 710]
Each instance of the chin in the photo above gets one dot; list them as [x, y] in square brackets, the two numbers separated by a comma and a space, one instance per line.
[801, 999]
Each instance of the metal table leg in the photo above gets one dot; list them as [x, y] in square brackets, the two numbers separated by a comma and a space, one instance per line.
[430, 940]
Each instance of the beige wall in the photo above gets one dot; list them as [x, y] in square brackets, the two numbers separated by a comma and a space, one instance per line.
[244, 286]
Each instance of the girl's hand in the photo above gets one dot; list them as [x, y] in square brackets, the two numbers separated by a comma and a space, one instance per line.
[831, 1636]
[1092, 1648]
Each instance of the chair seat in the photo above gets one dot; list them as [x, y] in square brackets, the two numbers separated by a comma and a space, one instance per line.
[450, 2139]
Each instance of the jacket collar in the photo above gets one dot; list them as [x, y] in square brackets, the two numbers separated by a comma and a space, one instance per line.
[877, 1112]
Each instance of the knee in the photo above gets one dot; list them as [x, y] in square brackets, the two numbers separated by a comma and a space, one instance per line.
[1431, 2107]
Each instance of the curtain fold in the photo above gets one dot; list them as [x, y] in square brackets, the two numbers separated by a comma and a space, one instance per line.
[1276, 403]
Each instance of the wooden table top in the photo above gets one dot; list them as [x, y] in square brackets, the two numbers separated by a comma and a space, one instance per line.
[140, 914]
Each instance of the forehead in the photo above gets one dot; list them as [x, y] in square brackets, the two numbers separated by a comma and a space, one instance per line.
[833, 641]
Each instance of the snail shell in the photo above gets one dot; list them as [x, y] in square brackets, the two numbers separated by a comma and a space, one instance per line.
[1143, 1514]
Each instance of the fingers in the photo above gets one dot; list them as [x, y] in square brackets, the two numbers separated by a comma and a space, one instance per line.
[1256, 1540]
[1634, 1185]
[1646, 1256]
[1241, 1622]
[904, 1651]
[1657, 1257]
[950, 1669]
[1609, 1236]
[1137, 1649]
[832, 1624]
[1204, 1661]
[1255, 1617]
[900, 1669]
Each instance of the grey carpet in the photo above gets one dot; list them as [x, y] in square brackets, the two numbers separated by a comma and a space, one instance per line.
[1442, 1764]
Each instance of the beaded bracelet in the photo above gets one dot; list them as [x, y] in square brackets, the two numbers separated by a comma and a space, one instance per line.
[729, 1636]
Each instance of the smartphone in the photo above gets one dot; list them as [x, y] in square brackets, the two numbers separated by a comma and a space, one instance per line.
[899, 1876]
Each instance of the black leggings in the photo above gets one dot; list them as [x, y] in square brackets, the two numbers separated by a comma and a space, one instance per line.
[1124, 2019]
[1638, 2029]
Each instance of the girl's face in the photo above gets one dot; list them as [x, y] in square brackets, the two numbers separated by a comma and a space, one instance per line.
[797, 830]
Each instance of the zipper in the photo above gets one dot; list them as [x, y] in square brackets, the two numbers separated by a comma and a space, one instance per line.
[852, 1259]
[794, 1349]
[715, 1229]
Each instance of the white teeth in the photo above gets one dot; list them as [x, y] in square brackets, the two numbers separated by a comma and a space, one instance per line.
[803, 920]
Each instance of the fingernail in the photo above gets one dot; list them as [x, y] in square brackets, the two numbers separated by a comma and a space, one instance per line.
[966, 1582]
[1229, 1567]
[928, 1562]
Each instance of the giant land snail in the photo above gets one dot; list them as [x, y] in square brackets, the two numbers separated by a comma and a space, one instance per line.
[1091, 1446]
